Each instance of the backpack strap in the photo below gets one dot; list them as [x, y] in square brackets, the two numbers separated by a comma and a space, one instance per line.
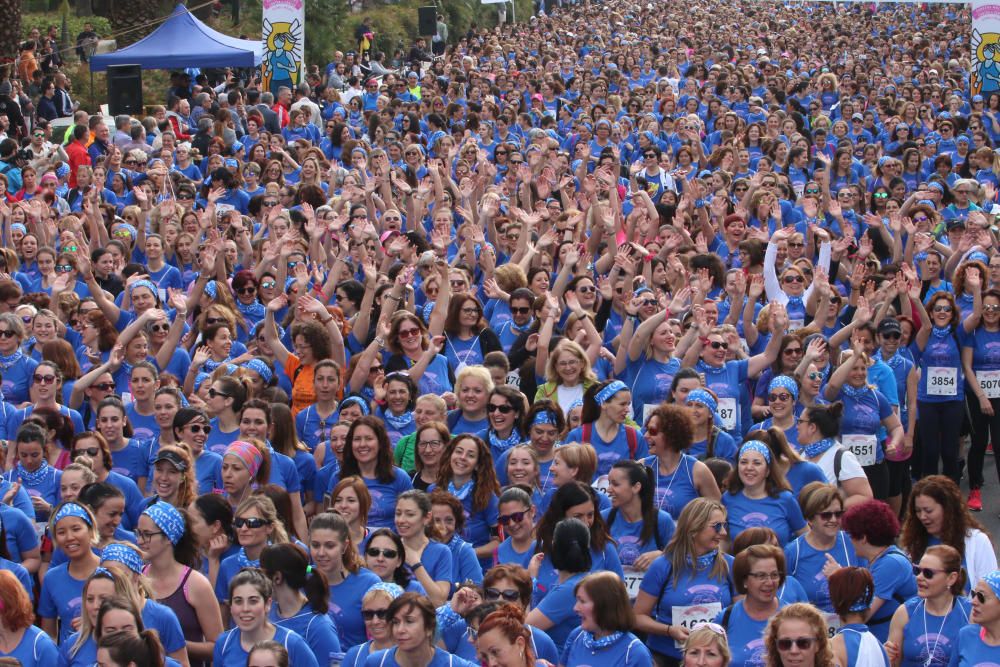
[726, 616]
[838, 460]
[586, 431]
[633, 441]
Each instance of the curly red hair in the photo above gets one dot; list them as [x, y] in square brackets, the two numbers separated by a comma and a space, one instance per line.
[16, 612]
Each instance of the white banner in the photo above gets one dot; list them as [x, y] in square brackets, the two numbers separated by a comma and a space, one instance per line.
[283, 41]
[985, 77]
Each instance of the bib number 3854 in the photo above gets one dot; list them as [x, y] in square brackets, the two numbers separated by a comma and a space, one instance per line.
[942, 381]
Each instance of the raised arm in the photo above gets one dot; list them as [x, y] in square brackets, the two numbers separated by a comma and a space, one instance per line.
[779, 322]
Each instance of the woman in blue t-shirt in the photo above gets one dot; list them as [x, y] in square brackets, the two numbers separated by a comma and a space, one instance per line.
[606, 624]
[979, 643]
[571, 557]
[251, 593]
[758, 495]
[812, 557]
[467, 473]
[74, 531]
[606, 409]
[429, 561]
[941, 393]
[690, 583]
[758, 573]
[922, 631]
[414, 626]
[851, 594]
[873, 528]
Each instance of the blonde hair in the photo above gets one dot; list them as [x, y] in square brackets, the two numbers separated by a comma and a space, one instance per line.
[267, 511]
[480, 373]
[552, 376]
[680, 550]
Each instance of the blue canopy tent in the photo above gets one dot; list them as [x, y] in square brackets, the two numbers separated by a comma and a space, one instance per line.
[183, 41]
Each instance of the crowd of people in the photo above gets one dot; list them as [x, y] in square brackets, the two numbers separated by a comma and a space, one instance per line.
[623, 335]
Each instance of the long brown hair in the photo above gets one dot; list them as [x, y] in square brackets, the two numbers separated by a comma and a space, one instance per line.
[957, 519]
[484, 476]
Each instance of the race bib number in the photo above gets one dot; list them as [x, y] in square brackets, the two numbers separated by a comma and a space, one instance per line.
[601, 484]
[863, 446]
[989, 382]
[942, 381]
[40, 528]
[690, 616]
[647, 409]
[832, 624]
[793, 325]
[633, 579]
[728, 413]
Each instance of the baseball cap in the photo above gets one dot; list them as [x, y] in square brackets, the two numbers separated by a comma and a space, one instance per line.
[173, 458]
[889, 325]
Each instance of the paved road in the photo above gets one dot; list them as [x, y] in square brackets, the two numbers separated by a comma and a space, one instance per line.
[991, 503]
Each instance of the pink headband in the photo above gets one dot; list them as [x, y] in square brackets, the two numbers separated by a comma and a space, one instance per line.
[248, 454]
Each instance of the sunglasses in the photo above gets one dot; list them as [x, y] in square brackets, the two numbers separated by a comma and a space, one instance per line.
[409, 333]
[892, 336]
[942, 309]
[503, 409]
[521, 311]
[881, 195]
[803, 643]
[978, 595]
[508, 594]
[793, 279]
[830, 516]
[268, 284]
[89, 451]
[44, 379]
[372, 614]
[718, 527]
[200, 428]
[586, 289]
[515, 517]
[719, 345]
[375, 552]
[247, 290]
[793, 350]
[927, 572]
[270, 202]
[7, 333]
[156, 328]
[184, 196]
[779, 398]
[104, 386]
[252, 522]
[64, 268]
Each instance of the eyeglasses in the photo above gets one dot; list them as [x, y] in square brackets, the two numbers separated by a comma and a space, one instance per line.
[765, 576]
[375, 552]
[156, 328]
[251, 522]
[515, 517]
[503, 409]
[430, 444]
[7, 333]
[830, 516]
[44, 379]
[524, 310]
[779, 398]
[788, 280]
[508, 594]
[470, 311]
[803, 643]
[199, 428]
[718, 527]
[372, 614]
[104, 386]
[719, 345]
[146, 535]
[927, 572]
[89, 451]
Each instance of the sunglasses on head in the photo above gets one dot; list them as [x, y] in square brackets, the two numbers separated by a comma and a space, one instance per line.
[252, 522]
[508, 594]
[514, 517]
[375, 552]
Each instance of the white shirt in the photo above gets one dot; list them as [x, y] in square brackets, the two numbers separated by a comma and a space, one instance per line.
[850, 467]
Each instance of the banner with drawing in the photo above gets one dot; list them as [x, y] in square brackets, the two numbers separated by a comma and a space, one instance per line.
[985, 75]
[283, 41]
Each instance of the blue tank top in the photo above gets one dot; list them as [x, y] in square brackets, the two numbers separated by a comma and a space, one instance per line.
[928, 640]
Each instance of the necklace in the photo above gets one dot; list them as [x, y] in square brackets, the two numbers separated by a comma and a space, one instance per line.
[666, 491]
[932, 651]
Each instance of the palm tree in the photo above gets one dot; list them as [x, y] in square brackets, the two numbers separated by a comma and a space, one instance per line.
[136, 17]
[10, 29]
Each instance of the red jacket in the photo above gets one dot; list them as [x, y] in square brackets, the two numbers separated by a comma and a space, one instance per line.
[78, 155]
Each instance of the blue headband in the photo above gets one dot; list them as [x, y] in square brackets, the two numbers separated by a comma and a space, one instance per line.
[544, 417]
[575, 404]
[124, 554]
[756, 446]
[199, 380]
[73, 509]
[863, 602]
[168, 519]
[785, 382]
[261, 369]
[393, 590]
[356, 400]
[702, 396]
[993, 581]
[19, 227]
[129, 228]
[603, 395]
[211, 290]
[148, 284]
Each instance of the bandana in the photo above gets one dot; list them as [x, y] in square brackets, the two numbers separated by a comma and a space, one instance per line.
[395, 423]
[784, 382]
[705, 561]
[817, 448]
[356, 400]
[248, 454]
[211, 290]
[168, 519]
[941, 332]
[500, 446]
[19, 227]
[124, 554]
[613, 388]
[544, 417]
[993, 581]
[702, 396]
[243, 561]
[8, 360]
[855, 393]
[200, 380]
[254, 310]
[392, 589]
[595, 644]
[756, 446]
[34, 478]
[863, 602]
[72, 509]
[260, 368]
[148, 284]
[461, 493]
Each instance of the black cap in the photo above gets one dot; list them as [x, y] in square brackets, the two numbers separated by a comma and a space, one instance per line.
[174, 458]
[889, 325]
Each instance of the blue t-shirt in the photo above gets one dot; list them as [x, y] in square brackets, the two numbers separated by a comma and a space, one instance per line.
[131, 461]
[507, 555]
[19, 532]
[35, 648]
[928, 640]
[345, 605]
[971, 651]
[610, 452]
[316, 628]
[61, 598]
[17, 380]
[312, 428]
[464, 563]
[941, 368]
[805, 562]
[694, 588]
[548, 577]
[894, 584]
[229, 650]
[746, 637]
[628, 651]
[161, 618]
[649, 381]
[558, 608]
[676, 490]
[628, 535]
[383, 509]
[387, 658]
[781, 513]
[479, 524]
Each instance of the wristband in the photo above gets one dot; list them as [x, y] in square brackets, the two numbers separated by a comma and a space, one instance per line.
[416, 566]
[703, 340]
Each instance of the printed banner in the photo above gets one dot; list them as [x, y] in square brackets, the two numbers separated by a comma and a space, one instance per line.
[283, 41]
[985, 76]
